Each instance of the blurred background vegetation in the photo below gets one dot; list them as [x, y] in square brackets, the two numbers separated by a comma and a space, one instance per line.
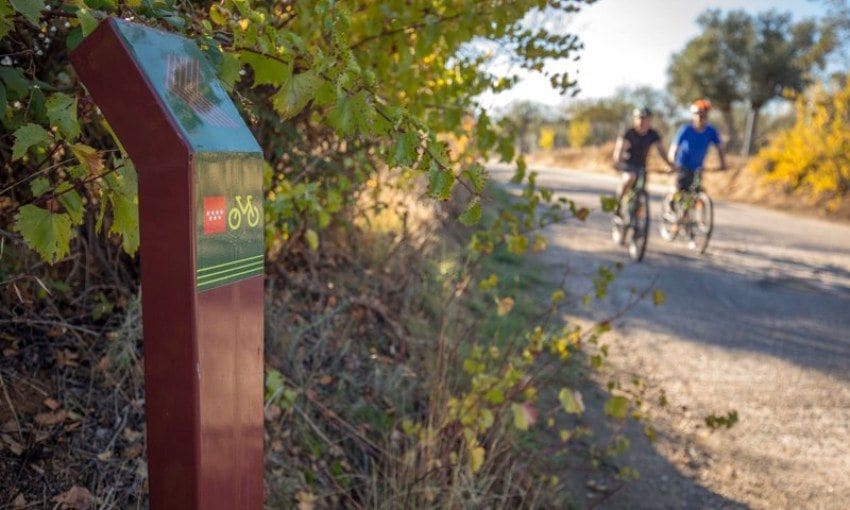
[778, 86]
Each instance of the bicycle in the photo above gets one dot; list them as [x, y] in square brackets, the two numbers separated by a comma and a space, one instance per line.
[690, 211]
[633, 229]
[234, 216]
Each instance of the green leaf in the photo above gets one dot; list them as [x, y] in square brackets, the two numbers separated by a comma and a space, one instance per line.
[517, 244]
[6, 21]
[47, 233]
[274, 383]
[62, 112]
[406, 148]
[217, 15]
[87, 21]
[495, 396]
[571, 401]
[477, 177]
[75, 37]
[521, 417]
[489, 283]
[123, 197]
[2, 91]
[440, 182]
[365, 116]
[519, 173]
[609, 203]
[30, 9]
[267, 70]
[325, 94]
[103, 5]
[228, 70]
[26, 137]
[295, 94]
[617, 407]
[39, 186]
[472, 214]
[72, 202]
[341, 116]
[17, 86]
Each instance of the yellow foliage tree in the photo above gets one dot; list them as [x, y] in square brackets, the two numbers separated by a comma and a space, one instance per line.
[814, 153]
[578, 132]
[546, 139]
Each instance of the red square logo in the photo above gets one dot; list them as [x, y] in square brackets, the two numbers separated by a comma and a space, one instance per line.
[214, 215]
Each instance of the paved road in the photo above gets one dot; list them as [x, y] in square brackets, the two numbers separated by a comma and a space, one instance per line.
[760, 324]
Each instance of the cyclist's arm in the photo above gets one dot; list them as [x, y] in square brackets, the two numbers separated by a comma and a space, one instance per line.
[620, 149]
[660, 148]
[721, 150]
[674, 146]
[673, 152]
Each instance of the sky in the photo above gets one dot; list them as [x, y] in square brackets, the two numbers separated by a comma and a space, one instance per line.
[630, 42]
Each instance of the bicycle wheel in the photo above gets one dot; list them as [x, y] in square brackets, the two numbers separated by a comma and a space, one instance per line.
[702, 218]
[639, 226]
[618, 225]
[667, 228]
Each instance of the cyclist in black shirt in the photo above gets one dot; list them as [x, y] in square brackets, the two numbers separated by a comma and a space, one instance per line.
[632, 149]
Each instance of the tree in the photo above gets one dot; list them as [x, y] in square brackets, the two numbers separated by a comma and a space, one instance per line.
[663, 106]
[606, 116]
[738, 57]
[325, 83]
[526, 117]
[579, 132]
[710, 64]
[779, 60]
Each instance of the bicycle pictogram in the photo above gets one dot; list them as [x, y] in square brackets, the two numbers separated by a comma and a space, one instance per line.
[251, 212]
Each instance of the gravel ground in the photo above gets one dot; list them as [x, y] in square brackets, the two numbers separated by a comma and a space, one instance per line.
[760, 324]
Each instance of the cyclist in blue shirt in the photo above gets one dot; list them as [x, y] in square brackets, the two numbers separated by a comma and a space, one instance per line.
[691, 144]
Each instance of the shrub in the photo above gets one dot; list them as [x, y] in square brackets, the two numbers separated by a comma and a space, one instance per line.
[813, 153]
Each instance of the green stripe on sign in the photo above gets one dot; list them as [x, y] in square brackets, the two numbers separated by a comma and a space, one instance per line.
[230, 269]
[231, 263]
[211, 278]
[248, 272]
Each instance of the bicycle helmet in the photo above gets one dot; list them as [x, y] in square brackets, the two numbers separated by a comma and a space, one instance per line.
[701, 106]
[642, 112]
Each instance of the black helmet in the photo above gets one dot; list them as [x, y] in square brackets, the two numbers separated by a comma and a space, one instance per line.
[642, 112]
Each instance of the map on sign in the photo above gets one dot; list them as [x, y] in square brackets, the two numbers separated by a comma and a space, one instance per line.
[183, 79]
[189, 87]
[228, 162]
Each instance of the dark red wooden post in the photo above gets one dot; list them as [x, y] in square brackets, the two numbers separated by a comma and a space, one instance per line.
[200, 209]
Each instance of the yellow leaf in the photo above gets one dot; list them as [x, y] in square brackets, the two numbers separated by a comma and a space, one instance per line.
[504, 306]
[476, 458]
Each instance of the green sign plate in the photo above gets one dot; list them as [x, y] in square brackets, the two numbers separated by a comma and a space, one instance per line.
[189, 88]
[228, 218]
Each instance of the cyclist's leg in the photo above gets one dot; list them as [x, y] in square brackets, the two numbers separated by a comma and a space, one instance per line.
[684, 180]
[628, 176]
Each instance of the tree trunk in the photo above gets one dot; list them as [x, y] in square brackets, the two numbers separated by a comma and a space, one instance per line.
[729, 120]
[752, 130]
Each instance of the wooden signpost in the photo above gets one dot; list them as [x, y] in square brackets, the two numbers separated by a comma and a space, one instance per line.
[200, 210]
